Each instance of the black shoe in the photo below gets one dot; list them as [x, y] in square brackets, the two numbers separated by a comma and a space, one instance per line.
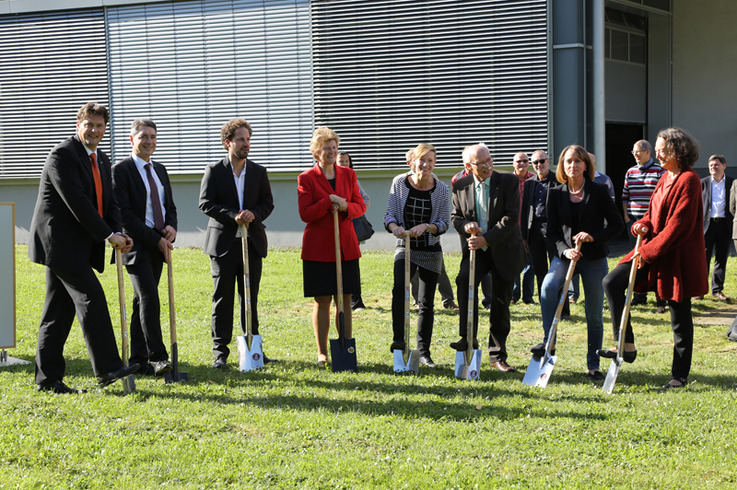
[161, 367]
[528, 301]
[114, 376]
[628, 356]
[462, 345]
[426, 360]
[565, 316]
[358, 306]
[539, 350]
[268, 360]
[609, 354]
[219, 364]
[146, 370]
[396, 345]
[450, 305]
[639, 300]
[669, 386]
[595, 376]
[59, 388]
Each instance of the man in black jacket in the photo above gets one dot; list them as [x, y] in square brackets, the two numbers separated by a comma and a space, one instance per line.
[144, 195]
[75, 214]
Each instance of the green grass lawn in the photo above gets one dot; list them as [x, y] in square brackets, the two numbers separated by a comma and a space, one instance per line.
[292, 425]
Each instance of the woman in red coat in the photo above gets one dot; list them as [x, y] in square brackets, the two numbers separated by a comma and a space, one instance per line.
[672, 260]
[322, 190]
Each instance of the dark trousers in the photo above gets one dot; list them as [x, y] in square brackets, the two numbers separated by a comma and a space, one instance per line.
[444, 287]
[425, 299]
[541, 253]
[615, 287]
[147, 343]
[501, 295]
[70, 293]
[227, 271]
[717, 239]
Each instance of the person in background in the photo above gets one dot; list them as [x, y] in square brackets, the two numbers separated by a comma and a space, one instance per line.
[671, 257]
[149, 215]
[491, 227]
[521, 164]
[715, 191]
[580, 212]
[75, 214]
[418, 205]
[234, 191]
[345, 160]
[639, 184]
[326, 189]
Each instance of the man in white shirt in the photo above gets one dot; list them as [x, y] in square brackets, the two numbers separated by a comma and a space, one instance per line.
[715, 191]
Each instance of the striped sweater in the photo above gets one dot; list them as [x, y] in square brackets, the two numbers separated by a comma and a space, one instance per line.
[639, 184]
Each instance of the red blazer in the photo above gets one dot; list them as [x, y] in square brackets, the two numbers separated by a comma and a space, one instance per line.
[674, 246]
[315, 209]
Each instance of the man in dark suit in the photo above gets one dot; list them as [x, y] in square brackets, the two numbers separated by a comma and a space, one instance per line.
[715, 191]
[486, 213]
[234, 191]
[75, 213]
[149, 216]
[534, 220]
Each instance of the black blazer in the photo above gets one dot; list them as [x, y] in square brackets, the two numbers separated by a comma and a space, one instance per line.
[598, 208]
[219, 200]
[66, 228]
[527, 212]
[706, 196]
[503, 233]
[130, 192]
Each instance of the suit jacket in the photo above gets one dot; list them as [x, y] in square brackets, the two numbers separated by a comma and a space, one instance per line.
[503, 232]
[706, 197]
[674, 245]
[733, 208]
[66, 229]
[598, 209]
[219, 200]
[315, 209]
[130, 192]
[528, 202]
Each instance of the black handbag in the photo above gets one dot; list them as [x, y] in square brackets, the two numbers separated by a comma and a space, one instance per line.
[363, 228]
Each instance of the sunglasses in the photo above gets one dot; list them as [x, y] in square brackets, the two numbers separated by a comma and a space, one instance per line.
[539, 162]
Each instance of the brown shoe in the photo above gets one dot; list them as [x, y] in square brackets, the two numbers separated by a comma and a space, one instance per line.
[720, 296]
[503, 367]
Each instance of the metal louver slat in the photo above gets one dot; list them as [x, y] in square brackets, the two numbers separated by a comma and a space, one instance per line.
[50, 65]
[389, 74]
[192, 65]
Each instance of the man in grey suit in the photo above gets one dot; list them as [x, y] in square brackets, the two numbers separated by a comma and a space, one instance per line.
[75, 214]
[149, 216]
[234, 191]
[486, 206]
[715, 191]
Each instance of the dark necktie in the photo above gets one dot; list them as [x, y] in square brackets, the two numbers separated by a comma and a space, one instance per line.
[155, 199]
[98, 182]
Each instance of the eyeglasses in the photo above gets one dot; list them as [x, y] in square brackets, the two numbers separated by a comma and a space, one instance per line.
[539, 162]
[521, 161]
[636, 152]
[486, 163]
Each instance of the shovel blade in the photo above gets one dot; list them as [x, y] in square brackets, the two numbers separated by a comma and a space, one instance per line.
[175, 375]
[253, 358]
[129, 384]
[343, 357]
[471, 370]
[611, 376]
[412, 366]
[539, 371]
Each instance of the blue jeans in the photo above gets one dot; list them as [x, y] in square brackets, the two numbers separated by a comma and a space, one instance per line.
[591, 273]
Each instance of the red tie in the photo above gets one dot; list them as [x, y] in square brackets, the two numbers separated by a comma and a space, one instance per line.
[98, 182]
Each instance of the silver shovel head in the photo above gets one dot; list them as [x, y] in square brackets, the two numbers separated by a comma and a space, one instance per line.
[611, 375]
[129, 384]
[412, 366]
[539, 371]
[470, 370]
[253, 358]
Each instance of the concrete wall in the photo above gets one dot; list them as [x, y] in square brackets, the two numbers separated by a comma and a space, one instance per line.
[704, 71]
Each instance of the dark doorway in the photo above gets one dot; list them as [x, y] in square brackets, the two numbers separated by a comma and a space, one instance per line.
[619, 141]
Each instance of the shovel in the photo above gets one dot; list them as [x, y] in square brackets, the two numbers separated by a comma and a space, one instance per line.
[540, 368]
[406, 361]
[129, 384]
[468, 363]
[250, 352]
[342, 350]
[174, 375]
[611, 375]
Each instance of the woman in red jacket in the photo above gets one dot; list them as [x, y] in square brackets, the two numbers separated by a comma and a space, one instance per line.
[672, 260]
[322, 190]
